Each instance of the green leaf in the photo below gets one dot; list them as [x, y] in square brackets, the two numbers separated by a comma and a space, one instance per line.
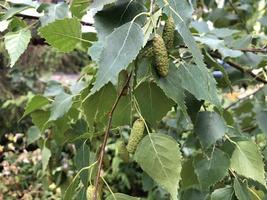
[95, 50]
[171, 85]
[35, 103]
[126, 41]
[247, 161]
[188, 176]
[99, 4]
[198, 82]
[225, 193]
[160, 157]
[97, 106]
[78, 8]
[261, 120]
[81, 160]
[60, 106]
[154, 105]
[33, 134]
[46, 154]
[110, 18]
[60, 127]
[62, 34]
[39, 119]
[16, 43]
[13, 11]
[54, 12]
[71, 190]
[120, 196]
[82, 194]
[209, 127]
[213, 169]
[241, 190]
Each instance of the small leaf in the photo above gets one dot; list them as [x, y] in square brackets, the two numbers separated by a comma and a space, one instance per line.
[79, 7]
[261, 120]
[209, 127]
[159, 156]
[33, 134]
[188, 175]
[46, 154]
[241, 190]
[247, 161]
[62, 34]
[225, 193]
[39, 119]
[16, 43]
[126, 41]
[60, 106]
[155, 104]
[211, 170]
[82, 159]
[35, 103]
[120, 196]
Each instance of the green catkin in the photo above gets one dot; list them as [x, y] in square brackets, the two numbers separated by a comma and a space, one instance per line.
[160, 56]
[147, 51]
[168, 33]
[122, 151]
[90, 193]
[136, 135]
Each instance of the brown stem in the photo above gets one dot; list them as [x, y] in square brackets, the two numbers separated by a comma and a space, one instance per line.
[102, 150]
[37, 18]
[240, 68]
[243, 98]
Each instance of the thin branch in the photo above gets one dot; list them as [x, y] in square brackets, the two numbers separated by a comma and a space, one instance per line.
[254, 50]
[102, 150]
[37, 18]
[243, 98]
[240, 68]
[3, 6]
[238, 14]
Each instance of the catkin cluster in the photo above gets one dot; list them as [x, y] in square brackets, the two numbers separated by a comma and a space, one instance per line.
[168, 33]
[159, 48]
[161, 59]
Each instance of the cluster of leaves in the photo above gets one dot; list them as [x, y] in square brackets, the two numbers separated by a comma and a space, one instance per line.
[194, 147]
